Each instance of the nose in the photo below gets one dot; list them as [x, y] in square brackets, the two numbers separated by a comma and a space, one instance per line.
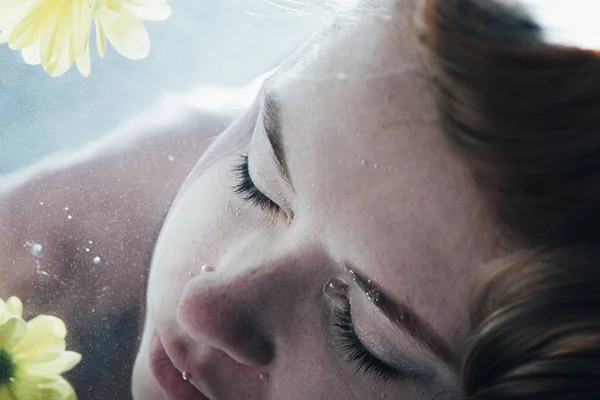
[229, 313]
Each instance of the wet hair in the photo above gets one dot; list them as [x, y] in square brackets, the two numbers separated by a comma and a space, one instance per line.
[524, 115]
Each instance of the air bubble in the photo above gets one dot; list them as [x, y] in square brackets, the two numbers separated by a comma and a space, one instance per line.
[87, 250]
[185, 376]
[97, 260]
[364, 162]
[41, 203]
[69, 217]
[66, 208]
[171, 158]
[34, 248]
[374, 296]
[264, 376]
[206, 268]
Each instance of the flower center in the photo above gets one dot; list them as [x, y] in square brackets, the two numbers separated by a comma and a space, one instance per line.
[7, 367]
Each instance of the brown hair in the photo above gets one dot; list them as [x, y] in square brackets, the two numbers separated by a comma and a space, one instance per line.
[524, 115]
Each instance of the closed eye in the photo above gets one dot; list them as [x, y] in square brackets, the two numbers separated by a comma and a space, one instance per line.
[247, 190]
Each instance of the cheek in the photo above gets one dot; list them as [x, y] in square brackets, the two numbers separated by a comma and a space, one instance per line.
[201, 225]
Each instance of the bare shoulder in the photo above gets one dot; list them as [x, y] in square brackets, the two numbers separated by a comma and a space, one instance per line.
[99, 208]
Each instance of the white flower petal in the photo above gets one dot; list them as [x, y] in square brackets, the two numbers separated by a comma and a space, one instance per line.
[4, 315]
[12, 331]
[57, 54]
[124, 31]
[82, 25]
[46, 334]
[84, 64]
[32, 27]
[31, 54]
[100, 37]
[46, 365]
[13, 11]
[60, 389]
[14, 306]
[155, 10]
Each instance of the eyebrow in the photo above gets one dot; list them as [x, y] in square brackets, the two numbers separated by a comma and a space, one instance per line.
[407, 320]
[271, 115]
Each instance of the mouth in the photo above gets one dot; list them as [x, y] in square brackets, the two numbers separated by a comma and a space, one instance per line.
[169, 378]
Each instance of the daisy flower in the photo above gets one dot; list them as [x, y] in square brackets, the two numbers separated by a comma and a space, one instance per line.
[56, 33]
[33, 356]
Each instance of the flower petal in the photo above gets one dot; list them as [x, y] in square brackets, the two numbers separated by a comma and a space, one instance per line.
[57, 53]
[12, 331]
[84, 64]
[6, 394]
[30, 348]
[49, 365]
[46, 334]
[56, 388]
[100, 37]
[82, 24]
[15, 307]
[124, 31]
[32, 27]
[59, 389]
[3, 312]
[13, 11]
[61, 363]
[31, 54]
[25, 390]
[153, 10]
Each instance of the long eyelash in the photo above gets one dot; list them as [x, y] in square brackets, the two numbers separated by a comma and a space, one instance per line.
[355, 351]
[246, 189]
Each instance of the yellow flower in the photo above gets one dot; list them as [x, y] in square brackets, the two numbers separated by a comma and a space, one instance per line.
[33, 356]
[56, 33]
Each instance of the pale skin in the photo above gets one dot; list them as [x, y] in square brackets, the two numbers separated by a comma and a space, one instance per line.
[371, 184]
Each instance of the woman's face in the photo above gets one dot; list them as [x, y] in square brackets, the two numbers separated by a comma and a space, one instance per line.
[344, 273]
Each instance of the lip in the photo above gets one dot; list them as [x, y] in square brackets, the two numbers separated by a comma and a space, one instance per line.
[168, 377]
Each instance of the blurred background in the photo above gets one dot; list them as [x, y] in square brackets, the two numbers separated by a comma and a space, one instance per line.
[217, 43]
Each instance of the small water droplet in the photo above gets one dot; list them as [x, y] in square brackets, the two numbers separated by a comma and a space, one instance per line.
[336, 290]
[374, 296]
[69, 217]
[171, 158]
[185, 376]
[206, 268]
[41, 203]
[66, 208]
[97, 260]
[364, 162]
[87, 250]
[264, 375]
[375, 166]
[90, 242]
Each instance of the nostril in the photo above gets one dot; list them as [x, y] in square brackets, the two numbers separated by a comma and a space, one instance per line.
[211, 316]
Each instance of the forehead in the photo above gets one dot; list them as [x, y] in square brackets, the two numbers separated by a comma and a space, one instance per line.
[372, 171]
